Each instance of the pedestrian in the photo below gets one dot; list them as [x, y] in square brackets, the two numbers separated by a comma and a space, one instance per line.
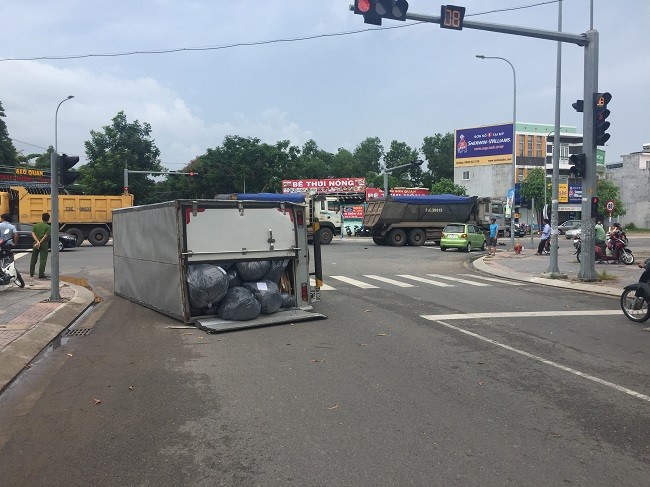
[494, 232]
[599, 234]
[546, 236]
[5, 224]
[41, 235]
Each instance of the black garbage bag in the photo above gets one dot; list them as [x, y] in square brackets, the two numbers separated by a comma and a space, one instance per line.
[239, 304]
[267, 293]
[233, 277]
[207, 284]
[288, 300]
[277, 268]
[253, 270]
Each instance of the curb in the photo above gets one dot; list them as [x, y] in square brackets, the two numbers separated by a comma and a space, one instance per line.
[20, 352]
[502, 271]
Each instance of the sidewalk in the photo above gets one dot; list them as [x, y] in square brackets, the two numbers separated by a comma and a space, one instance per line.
[29, 321]
[529, 267]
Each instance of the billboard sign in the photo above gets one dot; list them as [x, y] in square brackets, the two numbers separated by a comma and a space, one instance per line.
[333, 185]
[353, 212]
[575, 193]
[378, 194]
[481, 146]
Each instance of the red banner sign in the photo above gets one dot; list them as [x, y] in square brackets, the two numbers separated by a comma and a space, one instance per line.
[334, 185]
[378, 194]
[350, 212]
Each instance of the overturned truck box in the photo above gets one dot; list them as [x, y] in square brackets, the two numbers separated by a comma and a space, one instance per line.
[222, 264]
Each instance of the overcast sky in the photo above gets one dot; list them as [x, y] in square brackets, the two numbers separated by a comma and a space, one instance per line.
[403, 83]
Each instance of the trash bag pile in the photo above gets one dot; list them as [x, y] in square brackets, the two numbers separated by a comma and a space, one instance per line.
[239, 291]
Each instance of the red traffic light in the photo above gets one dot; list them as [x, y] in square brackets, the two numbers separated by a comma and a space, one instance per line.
[361, 6]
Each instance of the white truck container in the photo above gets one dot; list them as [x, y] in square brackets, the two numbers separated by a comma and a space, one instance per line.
[153, 246]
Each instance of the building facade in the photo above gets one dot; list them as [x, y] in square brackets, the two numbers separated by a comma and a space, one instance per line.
[632, 176]
[533, 149]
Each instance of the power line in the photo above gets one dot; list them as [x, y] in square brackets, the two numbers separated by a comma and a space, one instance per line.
[254, 43]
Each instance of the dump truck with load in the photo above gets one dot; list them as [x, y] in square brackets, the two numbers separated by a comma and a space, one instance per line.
[234, 262]
[84, 216]
[415, 219]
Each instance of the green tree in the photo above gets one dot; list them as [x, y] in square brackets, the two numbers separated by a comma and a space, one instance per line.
[368, 155]
[398, 154]
[119, 146]
[533, 187]
[606, 190]
[447, 186]
[8, 154]
[439, 153]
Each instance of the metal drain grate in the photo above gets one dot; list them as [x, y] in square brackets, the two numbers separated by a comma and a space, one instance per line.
[78, 332]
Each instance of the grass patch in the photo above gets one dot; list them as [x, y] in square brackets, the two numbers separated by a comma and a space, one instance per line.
[605, 276]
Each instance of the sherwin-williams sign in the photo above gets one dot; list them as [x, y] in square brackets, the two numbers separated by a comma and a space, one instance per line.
[483, 145]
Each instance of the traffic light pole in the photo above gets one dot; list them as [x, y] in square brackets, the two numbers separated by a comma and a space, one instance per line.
[387, 170]
[589, 41]
[587, 232]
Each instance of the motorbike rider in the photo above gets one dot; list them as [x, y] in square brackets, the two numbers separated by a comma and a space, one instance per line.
[600, 234]
[11, 237]
[546, 236]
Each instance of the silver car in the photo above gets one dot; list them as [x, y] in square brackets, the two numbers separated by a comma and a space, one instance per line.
[573, 233]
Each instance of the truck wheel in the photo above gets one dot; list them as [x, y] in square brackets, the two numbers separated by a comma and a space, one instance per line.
[78, 234]
[379, 240]
[98, 236]
[397, 237]
[417, 237]
[326, 236]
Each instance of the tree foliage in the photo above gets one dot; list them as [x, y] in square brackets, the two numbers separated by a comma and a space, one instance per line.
[606, 190]
[447, 186]
[119, 146]
[533, 187]
[438, 150]
[8, 154]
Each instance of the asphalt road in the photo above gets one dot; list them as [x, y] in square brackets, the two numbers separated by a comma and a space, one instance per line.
[399, 386]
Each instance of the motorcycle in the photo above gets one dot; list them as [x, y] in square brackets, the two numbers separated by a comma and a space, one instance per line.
[635, 300]
[620, 252]
[8, 270]
[362, 231]
[348, 230]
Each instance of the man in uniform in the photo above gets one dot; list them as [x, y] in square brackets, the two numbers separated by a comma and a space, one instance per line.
[41, 235]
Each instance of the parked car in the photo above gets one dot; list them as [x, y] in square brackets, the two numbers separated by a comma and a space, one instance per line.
[568, 225]
[26, 242]
[573, 233]
[464, 236]
[520, 230]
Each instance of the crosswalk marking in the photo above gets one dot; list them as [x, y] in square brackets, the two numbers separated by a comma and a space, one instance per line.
[494, 279]
[354, 282]
[521, 314]
[388, 281]
[425, 280]
[456, 279]
[324, 287]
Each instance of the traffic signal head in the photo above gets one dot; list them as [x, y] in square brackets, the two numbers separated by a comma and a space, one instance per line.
[600, 115]
[579, 106]
[594, 205]
[66, 176]
[578, 165]
[375, 10]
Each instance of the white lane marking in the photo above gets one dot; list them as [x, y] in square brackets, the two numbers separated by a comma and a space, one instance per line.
[523, 314]
[494, 279]
[354, 282]
[324, 287]
[388, 281]
[456, 279]
[427, 281]
[549, 362]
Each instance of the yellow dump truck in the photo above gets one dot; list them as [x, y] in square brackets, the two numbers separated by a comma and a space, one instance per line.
[84, 216]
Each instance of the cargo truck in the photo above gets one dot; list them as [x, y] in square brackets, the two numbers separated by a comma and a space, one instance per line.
[173, 238]
[413, 220]
[84, 216]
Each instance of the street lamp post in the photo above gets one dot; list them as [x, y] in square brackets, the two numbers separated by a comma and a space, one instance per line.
[514, 146]
[54, 198]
